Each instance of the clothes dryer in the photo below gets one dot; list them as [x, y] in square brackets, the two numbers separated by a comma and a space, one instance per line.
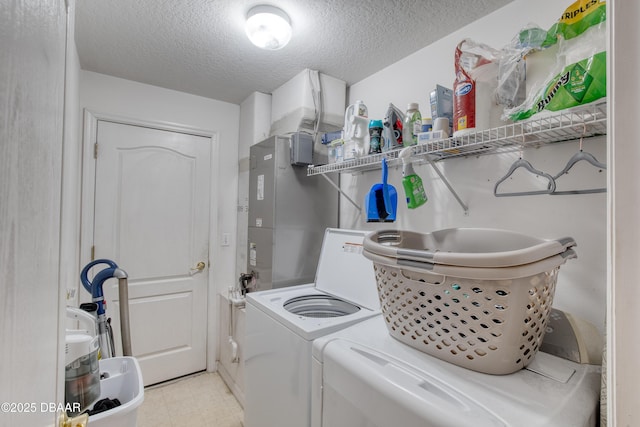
[362, 376]
[281, 325]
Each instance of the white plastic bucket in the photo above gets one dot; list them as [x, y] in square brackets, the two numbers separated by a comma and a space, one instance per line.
[123, 381]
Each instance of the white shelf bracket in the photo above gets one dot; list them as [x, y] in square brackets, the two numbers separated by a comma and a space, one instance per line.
[446, 182]
[349, 199]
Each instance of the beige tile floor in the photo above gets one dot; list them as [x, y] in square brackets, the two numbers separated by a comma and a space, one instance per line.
[199, 400]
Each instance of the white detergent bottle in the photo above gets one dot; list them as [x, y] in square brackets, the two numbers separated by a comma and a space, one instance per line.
[356, 109]
[356, 127]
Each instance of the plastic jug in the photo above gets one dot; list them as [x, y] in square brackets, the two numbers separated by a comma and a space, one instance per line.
[353, 110]
[356, 127]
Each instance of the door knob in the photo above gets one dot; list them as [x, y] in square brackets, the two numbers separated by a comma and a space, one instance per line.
[199, 267]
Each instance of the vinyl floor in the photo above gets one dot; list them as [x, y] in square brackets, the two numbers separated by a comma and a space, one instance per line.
[198, 400]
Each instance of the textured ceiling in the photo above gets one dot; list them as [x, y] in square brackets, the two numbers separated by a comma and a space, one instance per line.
[199, 46]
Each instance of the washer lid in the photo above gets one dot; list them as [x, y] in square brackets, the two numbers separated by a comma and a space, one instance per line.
[343, 271]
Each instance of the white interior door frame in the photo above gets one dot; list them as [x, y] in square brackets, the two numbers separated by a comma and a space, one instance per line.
[89, 138]
[623, 204]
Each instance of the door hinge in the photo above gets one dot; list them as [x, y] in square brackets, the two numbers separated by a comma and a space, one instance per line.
[95, 150]
[93, 253]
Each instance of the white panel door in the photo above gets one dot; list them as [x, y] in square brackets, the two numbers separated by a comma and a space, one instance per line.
[152, 218]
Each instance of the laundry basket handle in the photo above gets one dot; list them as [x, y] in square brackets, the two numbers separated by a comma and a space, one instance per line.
[389, 243]
[421, 267]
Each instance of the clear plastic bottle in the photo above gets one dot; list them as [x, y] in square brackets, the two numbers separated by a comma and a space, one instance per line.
[412, 125]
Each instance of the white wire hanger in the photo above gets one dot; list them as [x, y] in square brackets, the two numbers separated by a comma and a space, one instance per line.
[580, 156]
[522, 163]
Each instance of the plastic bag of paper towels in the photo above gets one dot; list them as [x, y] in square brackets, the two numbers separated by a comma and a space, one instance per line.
[565, 66]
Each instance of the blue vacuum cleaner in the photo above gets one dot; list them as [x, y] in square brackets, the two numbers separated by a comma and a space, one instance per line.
[107, 347]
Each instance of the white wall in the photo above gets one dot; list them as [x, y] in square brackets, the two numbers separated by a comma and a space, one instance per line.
[255, 121]
[32, 88]
[106, 94]
[412, 78]
[581, 286]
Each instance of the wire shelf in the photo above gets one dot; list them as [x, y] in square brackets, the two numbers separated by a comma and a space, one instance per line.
[545, 128]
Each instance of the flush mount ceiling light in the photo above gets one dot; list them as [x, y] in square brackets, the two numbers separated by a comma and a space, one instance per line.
[268, 27]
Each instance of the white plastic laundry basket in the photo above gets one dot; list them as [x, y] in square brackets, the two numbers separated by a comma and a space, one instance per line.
[489, 319]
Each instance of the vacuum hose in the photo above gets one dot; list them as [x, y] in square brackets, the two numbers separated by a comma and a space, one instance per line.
[97, 294]
[123, 295]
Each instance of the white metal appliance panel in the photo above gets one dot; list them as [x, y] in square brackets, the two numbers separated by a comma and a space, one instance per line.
[277, 375]
[361, 384]
[309, 328]
[343, 271]
[278, 343]
[411, 388]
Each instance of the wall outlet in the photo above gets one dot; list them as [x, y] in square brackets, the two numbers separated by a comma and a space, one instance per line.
[226, 239]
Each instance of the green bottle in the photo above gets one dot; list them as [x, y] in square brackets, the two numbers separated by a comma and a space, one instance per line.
[411, 182]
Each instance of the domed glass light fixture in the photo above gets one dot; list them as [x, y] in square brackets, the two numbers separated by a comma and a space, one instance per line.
[268, 27]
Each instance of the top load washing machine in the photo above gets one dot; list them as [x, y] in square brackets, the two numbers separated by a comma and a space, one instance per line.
[362, 376]
[281, 325]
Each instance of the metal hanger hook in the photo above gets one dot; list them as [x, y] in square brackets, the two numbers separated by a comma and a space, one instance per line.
[584, 132]
[522, 147]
